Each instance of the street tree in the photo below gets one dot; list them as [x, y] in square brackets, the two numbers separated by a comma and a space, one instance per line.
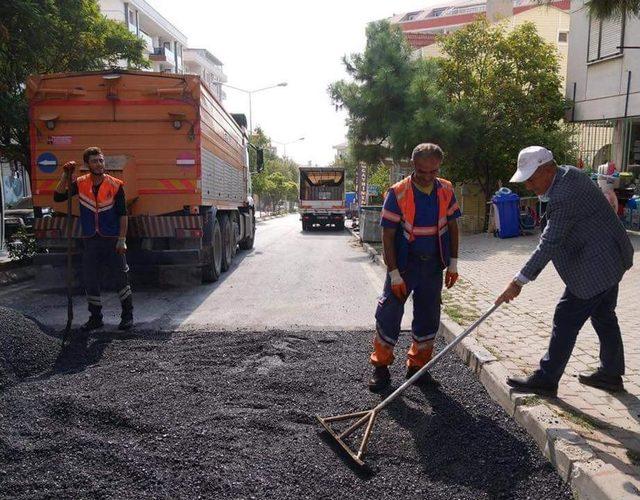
[47, 36]
[503, 91]
[393, 102]
[278, 181]
[376, 95]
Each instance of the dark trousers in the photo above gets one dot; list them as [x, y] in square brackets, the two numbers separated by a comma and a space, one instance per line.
[423, 278]
[571, 314]
[100, 254]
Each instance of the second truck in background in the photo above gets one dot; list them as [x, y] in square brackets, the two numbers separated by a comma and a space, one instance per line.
[322, 197]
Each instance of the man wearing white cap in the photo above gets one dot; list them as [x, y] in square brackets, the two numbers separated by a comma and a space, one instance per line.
[591, 251]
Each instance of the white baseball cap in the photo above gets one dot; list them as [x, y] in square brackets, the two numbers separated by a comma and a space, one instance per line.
[529, 159]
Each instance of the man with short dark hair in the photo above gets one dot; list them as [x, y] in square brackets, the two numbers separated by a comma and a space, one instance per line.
[420, 240]
[103, 219]
[591, 251]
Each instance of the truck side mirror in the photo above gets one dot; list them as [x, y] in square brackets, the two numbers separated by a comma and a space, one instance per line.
[259, 160]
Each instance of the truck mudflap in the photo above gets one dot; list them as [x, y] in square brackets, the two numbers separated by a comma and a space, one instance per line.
[52, 232]
[137, 258]
[141, 226]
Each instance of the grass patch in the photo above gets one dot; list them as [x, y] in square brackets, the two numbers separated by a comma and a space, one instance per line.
[530, 401]
[461, 315]
[494, 351]
[634, 456]
[583, 420]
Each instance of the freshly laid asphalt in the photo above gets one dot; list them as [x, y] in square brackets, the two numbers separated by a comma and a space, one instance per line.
[205, 414]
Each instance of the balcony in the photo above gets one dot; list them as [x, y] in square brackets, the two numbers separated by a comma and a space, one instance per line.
[132, 28]
[147, 40]
[163, 55]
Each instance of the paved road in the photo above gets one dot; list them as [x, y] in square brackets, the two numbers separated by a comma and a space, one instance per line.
[224, 405]
[290, 281]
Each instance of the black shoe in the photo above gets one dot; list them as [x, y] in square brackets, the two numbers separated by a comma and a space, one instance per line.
[126, 324]
[381, 379]
[94, 323]
[425, 379]
[600, 380]
[533, 383]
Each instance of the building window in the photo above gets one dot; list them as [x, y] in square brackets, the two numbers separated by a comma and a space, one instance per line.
[563, 36]
[410, 16]
[606, 37]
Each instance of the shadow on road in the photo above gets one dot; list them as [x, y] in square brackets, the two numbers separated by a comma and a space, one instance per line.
[457, 447]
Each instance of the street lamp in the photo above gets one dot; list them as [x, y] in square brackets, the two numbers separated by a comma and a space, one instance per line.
[284, 145]
[249, 92]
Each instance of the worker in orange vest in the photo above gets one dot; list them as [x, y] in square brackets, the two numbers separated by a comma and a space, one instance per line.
[103, 219]
[420, 240]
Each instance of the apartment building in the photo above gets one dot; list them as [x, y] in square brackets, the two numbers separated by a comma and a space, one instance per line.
[164, 42]
[422, 27]
[603, 83]
[209, 67]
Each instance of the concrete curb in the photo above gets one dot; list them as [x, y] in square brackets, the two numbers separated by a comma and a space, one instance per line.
[269, 217]
[589, 477]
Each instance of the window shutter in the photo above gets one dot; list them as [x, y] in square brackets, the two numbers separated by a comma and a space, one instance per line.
[611, 36]
[594, 38]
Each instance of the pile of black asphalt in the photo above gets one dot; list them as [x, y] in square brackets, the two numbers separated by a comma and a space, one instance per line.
[25, 349]
[232, 415]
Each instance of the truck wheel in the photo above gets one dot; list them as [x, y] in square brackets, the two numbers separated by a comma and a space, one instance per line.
[340, 225]
[213, 268]
[227, 229]
[247, 242]
[234, 242]
[305, 226]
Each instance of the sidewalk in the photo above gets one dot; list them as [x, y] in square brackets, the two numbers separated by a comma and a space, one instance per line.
[592, 437]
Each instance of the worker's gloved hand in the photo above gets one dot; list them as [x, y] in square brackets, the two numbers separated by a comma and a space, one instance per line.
[451, 276]
[398, 286]
[121, 246]
[69, 167]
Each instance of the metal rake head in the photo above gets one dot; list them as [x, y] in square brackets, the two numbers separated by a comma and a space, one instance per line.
[361, 418]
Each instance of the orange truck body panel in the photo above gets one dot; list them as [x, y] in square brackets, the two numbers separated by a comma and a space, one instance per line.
[131, 116]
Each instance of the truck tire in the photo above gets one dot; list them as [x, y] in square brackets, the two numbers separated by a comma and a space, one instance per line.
[340, 225]
[213, 269]
[247, 242]
[234, 244]
[305, 227]
[227, 241]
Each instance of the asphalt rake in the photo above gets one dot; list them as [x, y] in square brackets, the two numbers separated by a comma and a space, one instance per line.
[368, 417]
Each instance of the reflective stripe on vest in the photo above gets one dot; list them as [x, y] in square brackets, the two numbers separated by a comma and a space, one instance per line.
[406, 202]
[98, 213]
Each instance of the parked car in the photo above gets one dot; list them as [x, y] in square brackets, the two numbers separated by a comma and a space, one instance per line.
[20, 215]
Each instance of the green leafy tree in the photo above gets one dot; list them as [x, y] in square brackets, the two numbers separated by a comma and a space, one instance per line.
[278, 181]
[47, 36]
[503, 90]
[381, 180]
[603, 9]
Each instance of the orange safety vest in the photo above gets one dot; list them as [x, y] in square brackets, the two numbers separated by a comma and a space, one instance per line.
[444, 192]
[98, 213]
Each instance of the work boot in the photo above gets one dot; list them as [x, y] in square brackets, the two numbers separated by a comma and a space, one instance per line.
[94, 323]
[600, 380]
[535, 384]
[126, 318]
[425, 379]
[380, 380]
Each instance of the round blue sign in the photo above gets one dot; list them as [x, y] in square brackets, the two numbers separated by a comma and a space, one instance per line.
[47, 162]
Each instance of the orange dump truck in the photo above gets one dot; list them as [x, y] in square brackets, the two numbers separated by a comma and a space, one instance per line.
[182, 157]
